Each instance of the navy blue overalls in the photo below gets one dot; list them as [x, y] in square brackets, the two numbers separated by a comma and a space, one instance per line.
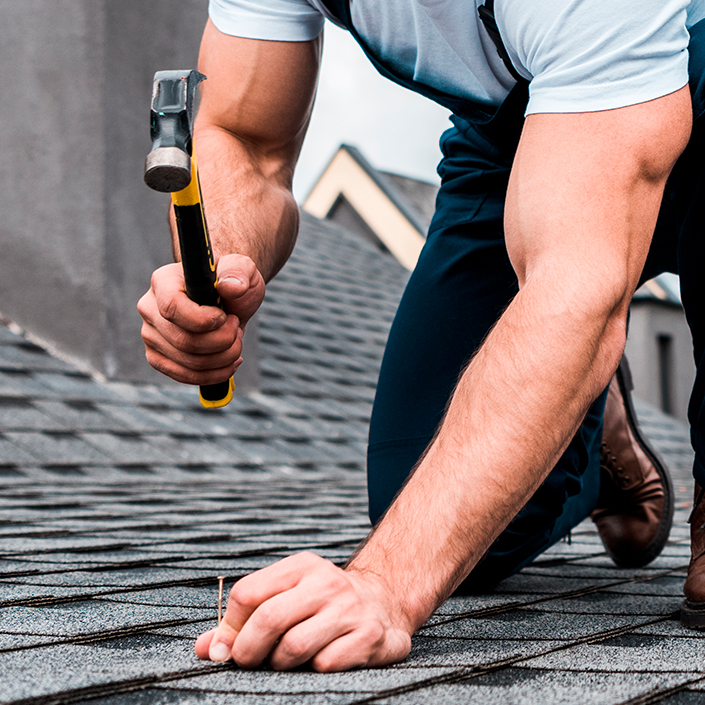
[464, 280]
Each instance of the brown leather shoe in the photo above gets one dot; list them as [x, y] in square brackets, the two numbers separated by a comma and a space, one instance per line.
[693, 607]
[635, 510]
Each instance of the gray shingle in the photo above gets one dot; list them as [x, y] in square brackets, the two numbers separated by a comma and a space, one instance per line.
[23, 355]
[58, 448]
[78, 416]
[124, 521]
[519, 688]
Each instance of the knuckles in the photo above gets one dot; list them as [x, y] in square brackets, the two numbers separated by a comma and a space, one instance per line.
[168, 307]
[323, 663]
[242, 594]
[184, 342]
[374, 633]
[308, 559]
[268, 618]
[332, 662]
[244, 660]
[291, 651]
[143, 307]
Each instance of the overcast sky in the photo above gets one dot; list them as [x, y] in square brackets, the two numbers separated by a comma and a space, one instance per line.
[395, 129]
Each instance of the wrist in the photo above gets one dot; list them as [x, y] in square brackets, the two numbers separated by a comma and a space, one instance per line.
[407, 610]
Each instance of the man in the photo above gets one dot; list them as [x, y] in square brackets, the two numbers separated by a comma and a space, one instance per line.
[514, 321]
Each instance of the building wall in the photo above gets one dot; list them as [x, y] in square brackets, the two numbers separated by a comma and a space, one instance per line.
[80, 233]
[52, 255]
[141, 38]
[660, 354]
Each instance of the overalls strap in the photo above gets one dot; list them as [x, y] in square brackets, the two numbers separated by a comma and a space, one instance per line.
[469, 110]
[486, 13]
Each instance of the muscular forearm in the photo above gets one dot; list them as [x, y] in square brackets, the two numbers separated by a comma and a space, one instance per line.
[248, 200]
[255, 107]
[578, 233]
[513, 413]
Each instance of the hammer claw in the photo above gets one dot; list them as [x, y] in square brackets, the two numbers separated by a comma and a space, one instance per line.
[168, 165]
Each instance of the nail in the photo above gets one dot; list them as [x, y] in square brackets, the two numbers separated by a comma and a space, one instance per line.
[236, 280]
[219, 652]
[220, 598]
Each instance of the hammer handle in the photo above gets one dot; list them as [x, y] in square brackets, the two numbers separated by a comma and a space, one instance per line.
[199, 270]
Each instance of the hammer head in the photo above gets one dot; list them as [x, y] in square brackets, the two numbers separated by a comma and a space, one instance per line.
[168, 165]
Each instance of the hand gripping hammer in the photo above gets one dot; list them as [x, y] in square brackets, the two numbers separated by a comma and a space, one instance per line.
[171, 168]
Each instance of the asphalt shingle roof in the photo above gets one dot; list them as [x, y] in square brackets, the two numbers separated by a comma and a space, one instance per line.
[120, 504]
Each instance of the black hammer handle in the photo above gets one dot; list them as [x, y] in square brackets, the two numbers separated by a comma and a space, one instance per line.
[199, 269]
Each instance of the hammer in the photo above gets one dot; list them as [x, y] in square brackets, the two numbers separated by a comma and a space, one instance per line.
[171, 168]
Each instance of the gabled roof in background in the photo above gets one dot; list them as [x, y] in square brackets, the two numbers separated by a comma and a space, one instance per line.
[394, 209]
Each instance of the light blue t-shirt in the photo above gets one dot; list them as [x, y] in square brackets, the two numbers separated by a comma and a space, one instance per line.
[579, 55]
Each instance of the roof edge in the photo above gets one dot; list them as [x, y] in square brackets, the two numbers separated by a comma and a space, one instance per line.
[386, 186]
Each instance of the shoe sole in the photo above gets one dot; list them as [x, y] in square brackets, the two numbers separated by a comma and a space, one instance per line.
[624, 380]
[693, 615]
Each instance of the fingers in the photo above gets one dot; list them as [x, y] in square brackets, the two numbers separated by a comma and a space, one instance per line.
[252, 591]
[268, 623]
[183, 323]
[305, 609]
[309, 638]
[189, 343]
[172, 351]
[187, 375]
[369, 644]
[217, 360]
[203, 643]
[199, 344]
[172, 304]
[350, 651]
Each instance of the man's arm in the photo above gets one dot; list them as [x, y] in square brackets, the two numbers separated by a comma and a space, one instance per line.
[251, 123]
[581, 208]
[582, 203]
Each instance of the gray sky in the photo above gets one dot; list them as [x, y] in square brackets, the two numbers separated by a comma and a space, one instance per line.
[395, 129]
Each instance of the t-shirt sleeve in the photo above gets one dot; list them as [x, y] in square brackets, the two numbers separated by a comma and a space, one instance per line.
[277, 20]
[588, 55]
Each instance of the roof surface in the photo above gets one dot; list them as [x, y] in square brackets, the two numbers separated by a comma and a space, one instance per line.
[420, 195]
[120, 504]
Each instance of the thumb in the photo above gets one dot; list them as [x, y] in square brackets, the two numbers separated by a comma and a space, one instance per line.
[235, 274]
[232, 285]
[222, 642]
[240, 285]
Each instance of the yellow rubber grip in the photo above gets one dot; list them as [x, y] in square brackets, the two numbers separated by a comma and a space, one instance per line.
[219, 403]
